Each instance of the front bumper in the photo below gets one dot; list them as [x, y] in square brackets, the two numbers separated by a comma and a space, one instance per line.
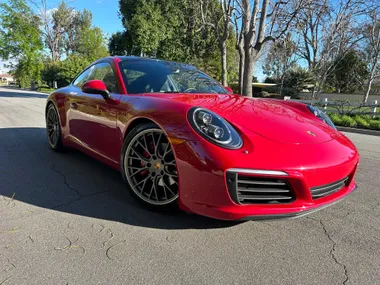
[204, 189]
[293, 215]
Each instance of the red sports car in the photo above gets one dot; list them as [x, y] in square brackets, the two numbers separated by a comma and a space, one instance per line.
[179, 137]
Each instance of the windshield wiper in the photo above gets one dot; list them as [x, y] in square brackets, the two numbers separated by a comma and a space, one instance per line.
[171, 92]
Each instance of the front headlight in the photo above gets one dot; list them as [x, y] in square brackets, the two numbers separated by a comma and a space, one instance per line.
[214, 128]
[321, 115]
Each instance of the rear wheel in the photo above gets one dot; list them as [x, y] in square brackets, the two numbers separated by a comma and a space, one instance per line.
[148, 166]
[53, 129]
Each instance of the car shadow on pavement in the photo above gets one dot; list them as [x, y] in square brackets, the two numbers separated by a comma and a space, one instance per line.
[12, 92]
[74, 183]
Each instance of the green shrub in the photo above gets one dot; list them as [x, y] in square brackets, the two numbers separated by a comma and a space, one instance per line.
[362, 121]
[348, 121]
[366, 117]
[337, 120]
[374, 125]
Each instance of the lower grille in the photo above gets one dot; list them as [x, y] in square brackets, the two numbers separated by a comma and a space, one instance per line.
[324, 190]
[246, 189]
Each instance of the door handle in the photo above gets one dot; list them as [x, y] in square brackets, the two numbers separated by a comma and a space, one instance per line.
[73, 105]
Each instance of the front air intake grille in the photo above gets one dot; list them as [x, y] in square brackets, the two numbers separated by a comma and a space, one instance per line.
[324, 190]
[246, 189]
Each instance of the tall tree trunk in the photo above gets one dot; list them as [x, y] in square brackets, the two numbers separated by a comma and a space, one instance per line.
[368, 90]
[282, 85]
[248, 72]
[223, 51]
[241, 69]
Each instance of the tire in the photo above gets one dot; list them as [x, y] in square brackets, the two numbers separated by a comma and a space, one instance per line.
[53, 129]
[149, 168]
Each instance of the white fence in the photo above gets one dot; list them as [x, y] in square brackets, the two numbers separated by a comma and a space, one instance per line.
[344, 106]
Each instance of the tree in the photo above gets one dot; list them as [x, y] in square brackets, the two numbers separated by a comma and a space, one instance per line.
[281, 58]
[71, 66]
[218, 16]
[349, 73]
[91, 44]
[174, 30]
[372, 50]
[298, 79]
[120, 43]
[260, 23]
[147, 28]
[328, 31]
[52, 32]
[20, 40]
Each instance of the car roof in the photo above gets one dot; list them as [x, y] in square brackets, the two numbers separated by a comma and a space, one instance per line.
[138, 58]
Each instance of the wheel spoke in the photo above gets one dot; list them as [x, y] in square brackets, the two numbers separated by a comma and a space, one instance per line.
[144, 183]
[155, 187]
[138, 171]
[163, 187]
[157, 145]
[166, 186]
[167, 150]
[143, 146]
[139, 156]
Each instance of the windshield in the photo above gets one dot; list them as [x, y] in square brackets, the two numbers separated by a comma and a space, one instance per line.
[148, 76]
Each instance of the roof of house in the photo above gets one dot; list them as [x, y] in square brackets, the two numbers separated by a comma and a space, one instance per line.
[6, 75]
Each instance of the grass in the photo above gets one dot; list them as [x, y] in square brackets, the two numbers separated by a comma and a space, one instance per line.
[356, 121]
[46, 90]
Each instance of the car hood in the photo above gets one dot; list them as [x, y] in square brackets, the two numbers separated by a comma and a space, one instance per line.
[272, 119]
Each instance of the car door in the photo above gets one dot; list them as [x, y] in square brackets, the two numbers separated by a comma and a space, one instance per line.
[92, 118]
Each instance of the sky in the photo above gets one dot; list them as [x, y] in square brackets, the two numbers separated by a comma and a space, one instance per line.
[104, 12]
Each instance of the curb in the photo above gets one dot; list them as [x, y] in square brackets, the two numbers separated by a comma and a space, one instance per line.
[359, 131]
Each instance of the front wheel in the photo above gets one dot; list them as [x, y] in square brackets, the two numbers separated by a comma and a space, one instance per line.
[148, 166]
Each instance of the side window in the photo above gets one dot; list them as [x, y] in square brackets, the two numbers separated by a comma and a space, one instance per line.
[103, 71]
[81, 79]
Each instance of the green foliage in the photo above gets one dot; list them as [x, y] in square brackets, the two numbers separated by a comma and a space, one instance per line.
[51, 71]
[91, 44]
[147, 27]
[64, 71]
[337, 119]
[172, 30]
[349, 73]
[348, 121]
[28, 69]
[19, 30]
[120, 43]
[71, 35]
[361, 122]
[374, 124]
[71, 66]
[298, 79]
[270, 80]
[20, 40]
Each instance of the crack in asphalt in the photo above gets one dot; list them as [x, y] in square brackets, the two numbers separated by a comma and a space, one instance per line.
[332, 250]
[78, 199]
[80, 196]
[65, 180]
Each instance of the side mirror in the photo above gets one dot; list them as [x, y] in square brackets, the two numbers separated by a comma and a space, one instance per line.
[229, 89]
[96, 87]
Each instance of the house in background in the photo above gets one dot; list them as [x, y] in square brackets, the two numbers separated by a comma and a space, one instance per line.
[6, 79]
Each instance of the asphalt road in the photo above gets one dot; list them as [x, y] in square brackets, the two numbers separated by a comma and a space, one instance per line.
[67, 219]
